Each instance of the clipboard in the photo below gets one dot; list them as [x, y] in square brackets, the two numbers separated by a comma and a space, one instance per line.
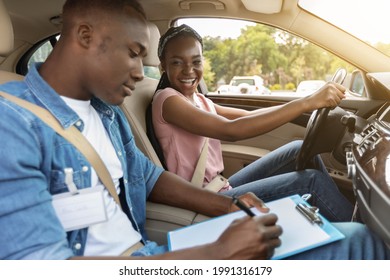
[299, 232]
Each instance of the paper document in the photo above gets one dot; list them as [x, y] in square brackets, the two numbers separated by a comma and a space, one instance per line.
[299, 234]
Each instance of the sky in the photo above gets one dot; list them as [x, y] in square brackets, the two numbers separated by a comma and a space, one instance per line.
[368, 19]
[231, 28]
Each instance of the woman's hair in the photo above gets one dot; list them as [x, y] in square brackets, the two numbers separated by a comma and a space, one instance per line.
[173, 32]
[163, 82]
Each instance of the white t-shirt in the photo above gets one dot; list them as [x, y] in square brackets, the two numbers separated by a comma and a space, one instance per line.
[116, 234]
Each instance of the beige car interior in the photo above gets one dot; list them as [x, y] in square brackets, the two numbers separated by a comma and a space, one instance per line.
[160, 218]
[284, 14]
[6, 43]
[163, 218]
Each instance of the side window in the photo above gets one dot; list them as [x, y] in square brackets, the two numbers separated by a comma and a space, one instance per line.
[37, 53]
[41, 51]
[152, 72]
[40, 54]
[357, 84]
[285, 64]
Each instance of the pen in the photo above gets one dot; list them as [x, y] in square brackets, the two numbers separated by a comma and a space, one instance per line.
[244, 208]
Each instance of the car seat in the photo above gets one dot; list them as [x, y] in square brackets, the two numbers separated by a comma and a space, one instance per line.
[6, 44]
[159, 218]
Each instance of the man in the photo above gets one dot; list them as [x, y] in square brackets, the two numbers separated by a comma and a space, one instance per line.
[93, 67]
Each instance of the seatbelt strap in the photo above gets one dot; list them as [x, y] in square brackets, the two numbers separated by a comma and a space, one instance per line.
[200, 169]
[132, 249]
[218, 181]
[199, 174]
[74, 136]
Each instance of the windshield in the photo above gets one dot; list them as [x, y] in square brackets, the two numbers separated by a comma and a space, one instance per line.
[368, 20]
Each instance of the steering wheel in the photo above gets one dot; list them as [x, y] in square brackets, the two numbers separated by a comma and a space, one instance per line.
[314, 126]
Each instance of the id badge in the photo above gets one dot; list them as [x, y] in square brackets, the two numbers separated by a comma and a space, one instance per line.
[81, 209]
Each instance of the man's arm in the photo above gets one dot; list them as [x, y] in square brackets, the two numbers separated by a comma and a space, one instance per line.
[29, 225]
[245, 238]
[172, 190]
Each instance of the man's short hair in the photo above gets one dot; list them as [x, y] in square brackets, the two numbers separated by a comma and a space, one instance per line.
[79, 7]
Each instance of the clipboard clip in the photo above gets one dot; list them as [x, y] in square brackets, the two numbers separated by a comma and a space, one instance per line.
[306, 196]
[310, 213]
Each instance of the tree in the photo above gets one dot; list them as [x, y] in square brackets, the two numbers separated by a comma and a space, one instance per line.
[279, 57]
[208, 75]
[216, 52]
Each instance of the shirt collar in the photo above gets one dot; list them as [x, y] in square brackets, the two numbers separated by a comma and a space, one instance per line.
[51, 100]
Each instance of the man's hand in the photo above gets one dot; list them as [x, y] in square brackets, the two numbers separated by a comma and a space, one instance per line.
[250, 200]
[250, 238]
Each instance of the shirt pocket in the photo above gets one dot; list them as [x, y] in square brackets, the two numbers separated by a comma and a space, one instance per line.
[66, 156]
[57, 181]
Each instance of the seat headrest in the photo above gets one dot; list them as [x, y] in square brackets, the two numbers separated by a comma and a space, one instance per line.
[6, 31]
[152, 58]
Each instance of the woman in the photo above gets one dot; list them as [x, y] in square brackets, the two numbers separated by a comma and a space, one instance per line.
[183, 119]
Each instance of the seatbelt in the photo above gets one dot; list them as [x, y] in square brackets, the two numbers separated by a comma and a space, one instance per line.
[200, 169]
[202, 87]
[217, 183]
[75, 137]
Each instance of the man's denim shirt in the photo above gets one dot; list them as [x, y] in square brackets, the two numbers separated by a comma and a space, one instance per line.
[33, 158]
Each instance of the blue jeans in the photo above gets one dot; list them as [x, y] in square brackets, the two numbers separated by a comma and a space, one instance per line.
[359, 244]
[273, 176]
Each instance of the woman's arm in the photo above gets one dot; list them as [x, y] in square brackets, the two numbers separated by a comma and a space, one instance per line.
[233, 124]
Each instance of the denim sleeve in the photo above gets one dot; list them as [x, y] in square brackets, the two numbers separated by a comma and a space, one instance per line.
[152, 173]
[28, 223]
[150, 249]
[143, 173]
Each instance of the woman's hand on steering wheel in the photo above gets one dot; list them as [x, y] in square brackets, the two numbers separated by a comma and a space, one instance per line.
[328, 96]
[322, 101]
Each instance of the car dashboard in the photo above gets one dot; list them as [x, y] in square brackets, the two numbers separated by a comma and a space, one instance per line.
[369, 167]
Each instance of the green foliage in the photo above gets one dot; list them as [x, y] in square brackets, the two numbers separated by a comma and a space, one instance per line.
[280, 58]
[290, 86]
[208, 75]
[275, 87]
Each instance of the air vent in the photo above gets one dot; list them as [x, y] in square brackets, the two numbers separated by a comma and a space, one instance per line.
[369, 137]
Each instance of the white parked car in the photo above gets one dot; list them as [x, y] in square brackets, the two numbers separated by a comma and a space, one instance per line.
[248, 85]
[309, 86]
[223, 89]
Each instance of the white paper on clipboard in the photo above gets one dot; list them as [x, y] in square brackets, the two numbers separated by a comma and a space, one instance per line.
[298, 233]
